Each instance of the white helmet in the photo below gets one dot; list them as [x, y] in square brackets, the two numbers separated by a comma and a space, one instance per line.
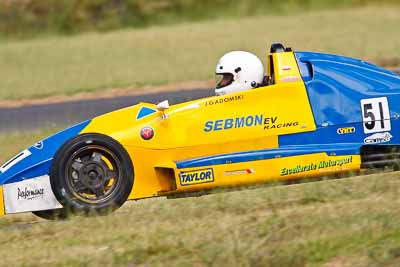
[240, 71]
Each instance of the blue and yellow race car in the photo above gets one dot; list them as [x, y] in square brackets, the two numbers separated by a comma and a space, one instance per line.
[320, 115]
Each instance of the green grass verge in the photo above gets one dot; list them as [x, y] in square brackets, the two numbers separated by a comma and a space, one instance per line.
[347, 222]
[353, 221]
[184, 52]
[14, 142]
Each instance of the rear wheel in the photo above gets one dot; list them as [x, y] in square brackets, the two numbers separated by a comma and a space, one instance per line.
[92, 173]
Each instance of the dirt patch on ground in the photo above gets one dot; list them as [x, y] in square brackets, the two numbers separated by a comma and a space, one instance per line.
[110, 93]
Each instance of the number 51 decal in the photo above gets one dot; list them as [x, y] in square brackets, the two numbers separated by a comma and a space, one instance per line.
[376, 115]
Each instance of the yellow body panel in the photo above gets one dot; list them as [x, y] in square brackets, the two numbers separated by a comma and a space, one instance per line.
[244, 121]
[285, 68]
[148, 182]
[1, 202]
[186, 123]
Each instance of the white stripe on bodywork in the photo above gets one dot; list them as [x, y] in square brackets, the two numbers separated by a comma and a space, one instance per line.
[30, 195]
[24, 154]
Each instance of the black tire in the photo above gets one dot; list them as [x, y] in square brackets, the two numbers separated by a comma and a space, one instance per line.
[92, 174]
[57, 214]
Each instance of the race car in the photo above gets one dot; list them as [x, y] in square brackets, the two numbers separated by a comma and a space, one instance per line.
[319, 115]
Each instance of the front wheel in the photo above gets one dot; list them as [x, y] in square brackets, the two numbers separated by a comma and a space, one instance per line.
[92, 173]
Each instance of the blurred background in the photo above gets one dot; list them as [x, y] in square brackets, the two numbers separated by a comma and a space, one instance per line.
[31, 17]
[57, 57]
[58, 47]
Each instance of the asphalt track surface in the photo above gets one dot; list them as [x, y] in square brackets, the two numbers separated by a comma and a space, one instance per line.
[64, 114]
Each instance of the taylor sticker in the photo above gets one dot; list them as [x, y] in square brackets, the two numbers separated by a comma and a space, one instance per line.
[197, 177]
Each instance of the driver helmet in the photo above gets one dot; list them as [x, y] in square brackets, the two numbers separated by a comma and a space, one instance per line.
[240, 70]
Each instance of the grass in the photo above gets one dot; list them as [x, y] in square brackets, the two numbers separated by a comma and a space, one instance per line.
[353, 222]
[347, 222]
[184, 52]
[14, 142]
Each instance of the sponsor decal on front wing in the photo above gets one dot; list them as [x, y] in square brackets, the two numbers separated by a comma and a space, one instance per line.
[378, 138]
[30, 195]
[196, 177]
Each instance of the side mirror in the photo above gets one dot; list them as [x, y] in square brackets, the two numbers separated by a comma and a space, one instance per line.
[163, 105]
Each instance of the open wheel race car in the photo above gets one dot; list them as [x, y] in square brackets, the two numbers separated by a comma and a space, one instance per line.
[320, 114]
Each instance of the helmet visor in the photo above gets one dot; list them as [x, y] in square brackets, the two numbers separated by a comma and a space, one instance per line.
[223, 79]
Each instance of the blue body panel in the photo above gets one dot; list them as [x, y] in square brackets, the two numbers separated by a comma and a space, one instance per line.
[336, 84]
[329, 135]
[42, 153]
[145, 111]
